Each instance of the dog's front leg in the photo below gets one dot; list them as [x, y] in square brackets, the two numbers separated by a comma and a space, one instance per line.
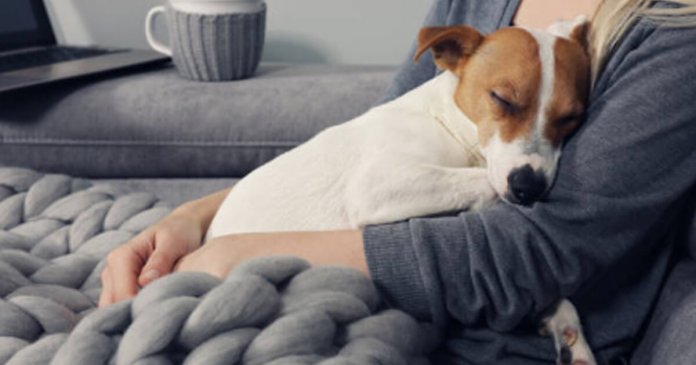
[395, 194]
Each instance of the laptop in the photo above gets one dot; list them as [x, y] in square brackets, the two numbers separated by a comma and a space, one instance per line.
[29, 54]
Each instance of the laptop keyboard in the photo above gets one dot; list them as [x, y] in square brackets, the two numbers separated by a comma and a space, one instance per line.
[48, 56]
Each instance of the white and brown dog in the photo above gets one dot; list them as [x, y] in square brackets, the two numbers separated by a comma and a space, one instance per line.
[492, 125]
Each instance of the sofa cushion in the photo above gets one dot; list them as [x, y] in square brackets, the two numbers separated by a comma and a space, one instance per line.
[158, 124]
[672, 329]
[691, 238]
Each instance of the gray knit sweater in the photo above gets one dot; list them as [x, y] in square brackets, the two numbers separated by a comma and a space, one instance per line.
[605, 236]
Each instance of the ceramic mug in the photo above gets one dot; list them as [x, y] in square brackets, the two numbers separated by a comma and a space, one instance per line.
[211, 40]
[218, 6]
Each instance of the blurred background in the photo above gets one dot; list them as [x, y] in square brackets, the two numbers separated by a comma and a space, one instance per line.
[374, 32]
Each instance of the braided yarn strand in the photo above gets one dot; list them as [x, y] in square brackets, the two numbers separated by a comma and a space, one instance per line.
[55, 232]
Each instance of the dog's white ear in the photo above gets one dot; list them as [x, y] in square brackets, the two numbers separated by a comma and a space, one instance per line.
[450, 45]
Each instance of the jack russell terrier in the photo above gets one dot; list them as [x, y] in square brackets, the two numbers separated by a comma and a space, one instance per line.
[491, 125]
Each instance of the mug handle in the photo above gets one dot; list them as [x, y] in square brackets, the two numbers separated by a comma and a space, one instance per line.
[149, 31]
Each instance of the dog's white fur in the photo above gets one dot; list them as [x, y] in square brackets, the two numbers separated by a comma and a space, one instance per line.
[415, 156]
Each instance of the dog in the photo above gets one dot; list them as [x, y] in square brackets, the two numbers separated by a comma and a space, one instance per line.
[490, 126]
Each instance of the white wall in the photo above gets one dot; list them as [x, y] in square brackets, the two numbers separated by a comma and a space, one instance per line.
[316, 31]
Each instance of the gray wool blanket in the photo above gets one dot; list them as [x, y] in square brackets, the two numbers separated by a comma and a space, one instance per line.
[55, 232]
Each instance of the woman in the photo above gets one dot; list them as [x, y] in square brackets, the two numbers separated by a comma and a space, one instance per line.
[603, 237]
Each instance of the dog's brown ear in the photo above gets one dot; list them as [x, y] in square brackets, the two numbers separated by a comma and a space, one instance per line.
[450, 45]
[581, 34]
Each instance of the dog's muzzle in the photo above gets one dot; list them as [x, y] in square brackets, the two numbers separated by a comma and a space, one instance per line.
[525, 185]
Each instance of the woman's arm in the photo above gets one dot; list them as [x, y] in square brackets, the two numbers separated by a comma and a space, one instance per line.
[153, 253]
[220, 255]
[203, 210]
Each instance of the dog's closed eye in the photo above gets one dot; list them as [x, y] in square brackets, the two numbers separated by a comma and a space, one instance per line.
[506, 105]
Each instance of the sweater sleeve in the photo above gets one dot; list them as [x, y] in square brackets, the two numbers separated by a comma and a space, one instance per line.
[620, 180]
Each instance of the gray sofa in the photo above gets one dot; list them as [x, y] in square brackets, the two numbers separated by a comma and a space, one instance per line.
[156, 132]
[152, 131]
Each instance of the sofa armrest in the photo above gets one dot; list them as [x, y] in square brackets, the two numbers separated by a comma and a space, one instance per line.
[156, 124]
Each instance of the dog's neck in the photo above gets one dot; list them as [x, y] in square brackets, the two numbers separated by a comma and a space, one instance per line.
[436, 97]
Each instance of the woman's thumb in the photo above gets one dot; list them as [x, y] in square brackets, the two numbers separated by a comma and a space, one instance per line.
[159, 264]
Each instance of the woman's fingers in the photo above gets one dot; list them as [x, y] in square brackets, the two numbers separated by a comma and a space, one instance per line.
[160, 263]
[105, 297]
[124, 266]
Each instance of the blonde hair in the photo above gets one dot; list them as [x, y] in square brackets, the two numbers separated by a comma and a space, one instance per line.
[614, 17]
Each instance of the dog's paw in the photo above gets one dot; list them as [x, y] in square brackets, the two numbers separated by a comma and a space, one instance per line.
[571, 346]
[573, 349]
[485, 197]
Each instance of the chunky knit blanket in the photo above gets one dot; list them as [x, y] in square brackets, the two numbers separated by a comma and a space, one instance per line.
[55, 232]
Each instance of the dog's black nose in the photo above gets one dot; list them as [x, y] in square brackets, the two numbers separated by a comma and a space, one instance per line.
[525, 185]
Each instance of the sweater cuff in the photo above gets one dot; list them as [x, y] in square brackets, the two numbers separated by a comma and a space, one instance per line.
[394, 268]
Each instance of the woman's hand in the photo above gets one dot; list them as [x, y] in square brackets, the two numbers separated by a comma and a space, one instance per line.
[153, 252]
[220, 255]
[148, 256]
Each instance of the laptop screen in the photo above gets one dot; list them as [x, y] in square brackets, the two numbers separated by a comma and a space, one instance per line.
[24, 23]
